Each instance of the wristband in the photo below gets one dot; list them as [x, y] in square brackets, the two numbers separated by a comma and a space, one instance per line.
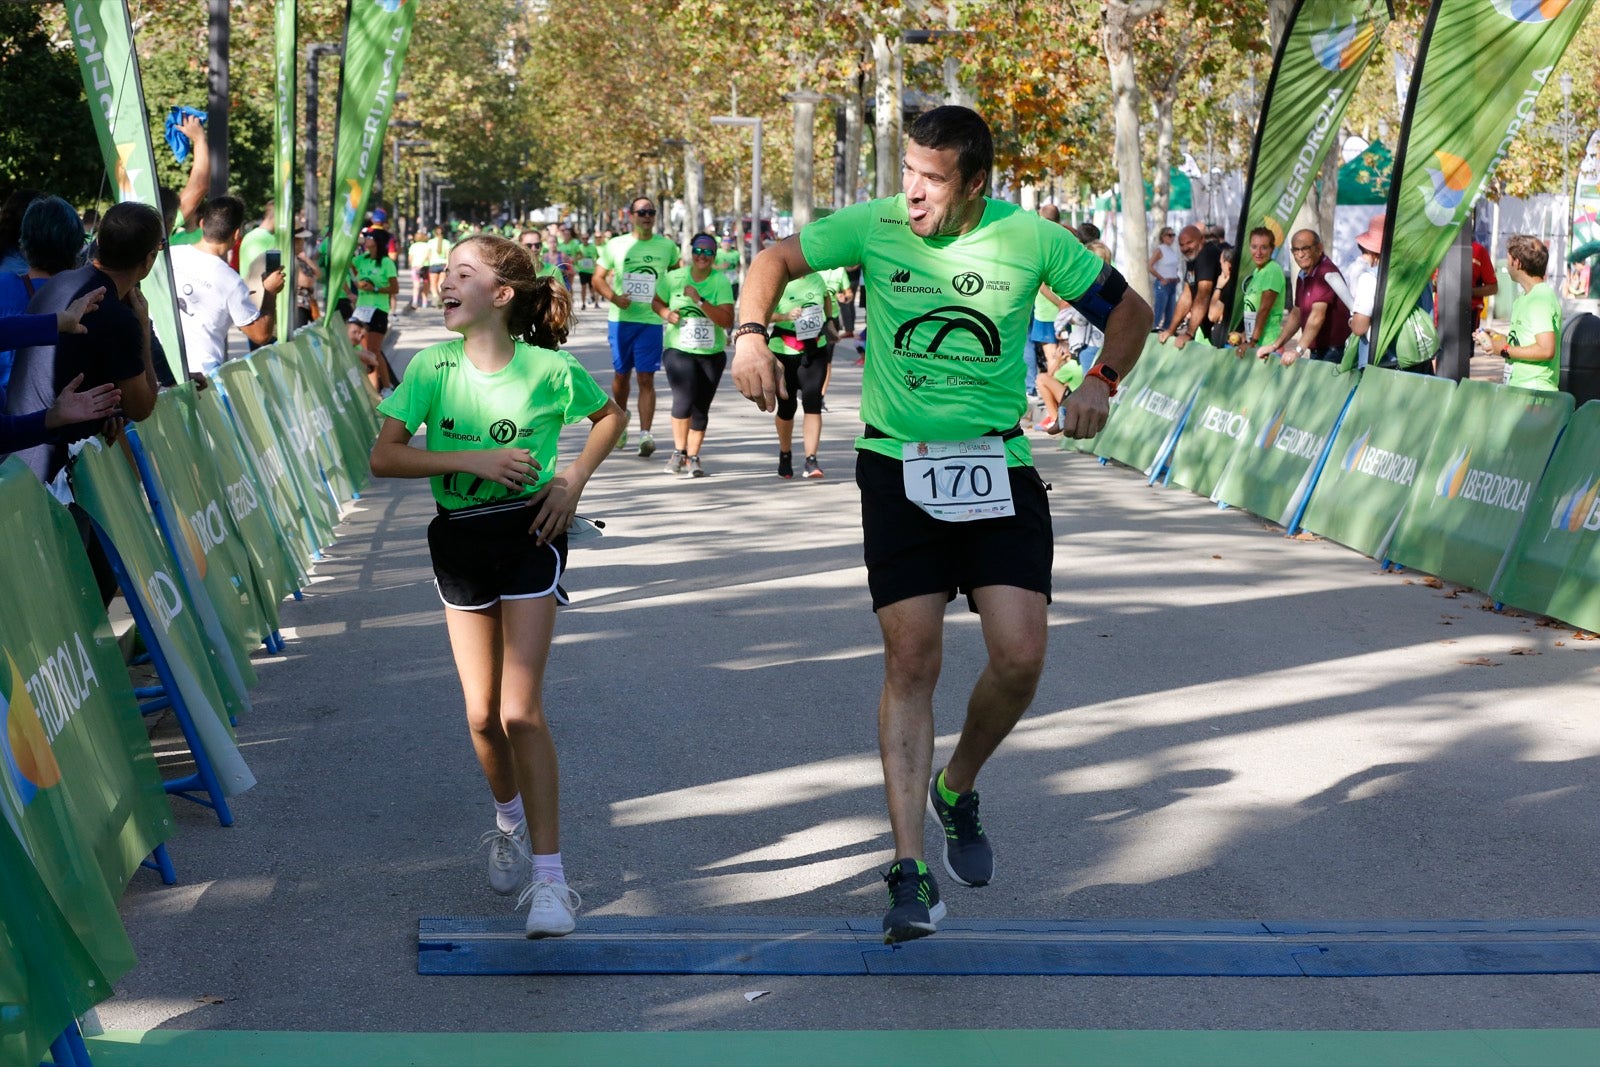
[749, 328]
[1107, 375]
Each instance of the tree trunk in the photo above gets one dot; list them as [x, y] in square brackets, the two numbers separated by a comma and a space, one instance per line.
[1278, 12]
[886, 115]
[805, 152]
[1120, 18]
[1161, 179]
[855, 115]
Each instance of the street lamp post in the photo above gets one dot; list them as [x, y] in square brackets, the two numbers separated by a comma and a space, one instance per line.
[1566, 169]
[755, 175]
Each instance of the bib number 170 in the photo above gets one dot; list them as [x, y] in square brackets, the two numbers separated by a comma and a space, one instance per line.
[958, 481]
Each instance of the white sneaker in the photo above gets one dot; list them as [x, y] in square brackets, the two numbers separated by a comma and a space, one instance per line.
[509, 858]
[552, 908]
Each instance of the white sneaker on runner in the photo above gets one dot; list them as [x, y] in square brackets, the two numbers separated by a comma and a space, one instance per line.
[552, 908]
[509, 858]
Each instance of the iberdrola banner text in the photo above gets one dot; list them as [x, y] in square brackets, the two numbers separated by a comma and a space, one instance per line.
[376, 36]
[1324, 50]
[103, 35]
[1480, 67]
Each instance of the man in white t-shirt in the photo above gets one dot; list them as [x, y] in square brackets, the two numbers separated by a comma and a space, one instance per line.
[211, 295]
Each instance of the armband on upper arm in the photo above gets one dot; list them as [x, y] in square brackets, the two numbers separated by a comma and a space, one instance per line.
[1104, 293]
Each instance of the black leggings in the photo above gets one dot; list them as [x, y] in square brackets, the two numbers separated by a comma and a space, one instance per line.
[803, 376]
[694, 382]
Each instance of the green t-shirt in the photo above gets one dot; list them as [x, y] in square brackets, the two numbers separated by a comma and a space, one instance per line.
[950, 316]
[586, 258]
[551, 270]
[254, 244]
[836, 279]
[439, 252]
[1044, 309]
[806, 297]
[418, 255]
[570, 249]
[1536, 311]
[1268, 279]
[522, 405]
[716, 289]
[380, 273]
[642, 262]
[727, 261]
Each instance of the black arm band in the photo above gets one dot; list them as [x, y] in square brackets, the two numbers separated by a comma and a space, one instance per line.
[1105, 293]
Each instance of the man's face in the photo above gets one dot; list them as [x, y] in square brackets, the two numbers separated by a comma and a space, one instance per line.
[644, 218]
[1189, 244]
[1260, 250]
[937, 201]
[1306, 249]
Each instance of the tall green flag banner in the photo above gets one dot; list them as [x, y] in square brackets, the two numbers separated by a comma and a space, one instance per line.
[47, 976]
[1272, 470]
[212, 547]
[299, 447]
[1480, 66]
[103, 34]
[1149, 417]
[1471, 496]
[1323, 52]
[1221, 416]
[1555, 564]
[352, 426]
[78, 783]
[376, 36]
[1381, 446]
[105, 486]
[272, 563]
[345, 362]
[285, 43]
[265, 455]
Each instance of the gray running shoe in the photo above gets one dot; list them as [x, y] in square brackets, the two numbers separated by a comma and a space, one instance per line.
[678, 464]
[695, 470]
[509, 858]
[914, 905]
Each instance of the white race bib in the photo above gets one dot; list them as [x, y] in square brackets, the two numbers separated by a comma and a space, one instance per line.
[1249, 324]
[639, 287]
[958, 481]
[697, 332]
[808, 324]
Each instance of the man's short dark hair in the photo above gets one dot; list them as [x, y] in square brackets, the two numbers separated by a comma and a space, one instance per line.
[1530, 252]
[128, 234]
[52, 235]
[963, 129]
[221, 218]
[1087, 231]
[635, 202]
[1262, 231]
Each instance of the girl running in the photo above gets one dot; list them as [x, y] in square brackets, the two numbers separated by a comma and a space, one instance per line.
[377, 281]
[494, 403]
[697, 304]
[797, 341]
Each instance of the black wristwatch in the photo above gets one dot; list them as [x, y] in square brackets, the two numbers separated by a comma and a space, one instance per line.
[749, 327]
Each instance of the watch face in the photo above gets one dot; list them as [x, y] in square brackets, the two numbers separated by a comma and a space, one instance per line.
[1108, 373]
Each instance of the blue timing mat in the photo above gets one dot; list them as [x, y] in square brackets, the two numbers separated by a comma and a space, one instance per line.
[617, 945]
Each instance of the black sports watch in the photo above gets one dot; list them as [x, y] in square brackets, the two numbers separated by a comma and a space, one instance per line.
[1106, 374]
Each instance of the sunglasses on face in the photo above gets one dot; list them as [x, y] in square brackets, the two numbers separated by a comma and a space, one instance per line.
[648, 212]
[704, 251]
[530, 244]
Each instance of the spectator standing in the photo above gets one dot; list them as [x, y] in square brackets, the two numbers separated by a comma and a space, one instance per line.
[1319, 323]
[1266, 293]
[1529, 348]
[51, 242]
[1166, 271]
[212, 296]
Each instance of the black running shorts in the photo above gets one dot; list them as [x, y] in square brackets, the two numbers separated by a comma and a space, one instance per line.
[483, 555]
[910, 553]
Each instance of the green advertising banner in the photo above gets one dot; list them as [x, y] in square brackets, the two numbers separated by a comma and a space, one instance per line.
[1220, 417]
[315, 413]
[1149, 416]
[1271, 471]
[1480, 67]
[272, 562]
[1324, 50]
[1472, 493]
[47, 977]
[285, 133]
[1379, 449]
[352, 427]
[103, 35]
[197, 504]
[78, 783]
[299, 444]
[1555, 564]
[1130, 381]
[376, 36]
[265, 455]
[105, 486]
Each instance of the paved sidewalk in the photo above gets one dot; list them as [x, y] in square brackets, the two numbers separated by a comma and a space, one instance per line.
[1234, 725]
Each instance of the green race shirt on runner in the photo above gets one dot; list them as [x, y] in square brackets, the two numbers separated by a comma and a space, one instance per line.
[522, 405]
[1266, 279]
[727, 261]
[716, 289]
[1536, 311]
[380, 273]
[585, 258]
[646, 262]
[950, 316]
[808, 292]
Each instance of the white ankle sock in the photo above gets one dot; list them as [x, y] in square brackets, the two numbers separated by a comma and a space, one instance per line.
[549, 867]
[507, 816]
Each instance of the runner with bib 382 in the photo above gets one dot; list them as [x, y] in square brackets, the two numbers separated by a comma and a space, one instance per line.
[950, 501]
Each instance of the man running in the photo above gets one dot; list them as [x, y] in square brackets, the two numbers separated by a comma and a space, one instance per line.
[630, 266]
[949, 497]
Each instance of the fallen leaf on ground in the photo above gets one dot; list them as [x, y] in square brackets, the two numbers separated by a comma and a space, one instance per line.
[210, 998]
[1216, 557]
[1480, 661]
[1584, 635]
[1303, 536]
[1446, 622]
[1561, 644]
[1451, 595]
[1432, 582]
[1526, 652]
[1408, 581]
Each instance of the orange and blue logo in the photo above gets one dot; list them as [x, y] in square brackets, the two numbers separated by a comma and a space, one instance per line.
[1337, 48]
[1269, 433]
[1358, 448]
[24, 748]
[1530, 10]
[352, 204]
[1450, 182]
[1454, 474]
[1573, 509]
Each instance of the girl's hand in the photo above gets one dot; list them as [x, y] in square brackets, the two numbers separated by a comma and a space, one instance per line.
[513, 468]
[366, 286]
[556, 504]
[674, 318]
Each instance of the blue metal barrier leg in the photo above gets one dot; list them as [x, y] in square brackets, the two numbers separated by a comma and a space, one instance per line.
[161, 863]
[1316, 473]
[68, 1049]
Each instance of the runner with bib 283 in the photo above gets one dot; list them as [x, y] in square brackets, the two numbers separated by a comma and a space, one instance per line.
[949, 497]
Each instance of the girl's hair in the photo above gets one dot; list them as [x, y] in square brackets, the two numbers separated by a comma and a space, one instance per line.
[380, 241]
[1100, 249]
[540, 312]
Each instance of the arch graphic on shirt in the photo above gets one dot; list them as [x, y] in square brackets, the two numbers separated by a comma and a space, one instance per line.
[951, 317]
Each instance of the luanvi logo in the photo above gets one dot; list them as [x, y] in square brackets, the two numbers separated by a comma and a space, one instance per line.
[968, 284]
[900, 276]
[916, 381]
[445, 364]
[948, 320]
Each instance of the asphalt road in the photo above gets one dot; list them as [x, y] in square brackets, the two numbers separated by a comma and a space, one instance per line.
[1233, 725]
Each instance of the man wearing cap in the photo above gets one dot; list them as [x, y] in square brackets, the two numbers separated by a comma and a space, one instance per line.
[1318, 324]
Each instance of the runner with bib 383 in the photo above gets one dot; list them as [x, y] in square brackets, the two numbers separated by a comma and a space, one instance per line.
[950, 501]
